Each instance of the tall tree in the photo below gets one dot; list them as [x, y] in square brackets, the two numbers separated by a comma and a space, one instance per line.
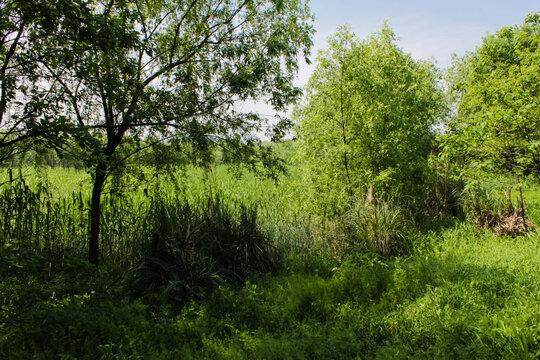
[366, 120]
[496, 124]
[497, 105]
[159, 70]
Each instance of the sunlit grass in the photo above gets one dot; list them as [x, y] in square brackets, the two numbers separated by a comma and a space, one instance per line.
[532, 200]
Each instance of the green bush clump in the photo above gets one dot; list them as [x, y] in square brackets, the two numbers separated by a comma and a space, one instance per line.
[192, 250]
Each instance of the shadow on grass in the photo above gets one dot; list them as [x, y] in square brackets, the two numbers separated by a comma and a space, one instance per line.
[424, 306]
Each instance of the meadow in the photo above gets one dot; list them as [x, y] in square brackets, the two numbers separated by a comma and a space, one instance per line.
[459, 292]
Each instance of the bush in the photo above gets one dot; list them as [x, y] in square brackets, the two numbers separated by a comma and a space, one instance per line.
[192, 250]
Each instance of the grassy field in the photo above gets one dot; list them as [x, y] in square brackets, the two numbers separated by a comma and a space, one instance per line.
[461, 292]
[63, 196]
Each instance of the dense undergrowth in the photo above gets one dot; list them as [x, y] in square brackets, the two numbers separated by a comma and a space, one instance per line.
[463, 294]
[202, 278]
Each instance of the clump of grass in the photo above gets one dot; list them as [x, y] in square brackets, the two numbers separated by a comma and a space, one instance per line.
[482, 206]
[193, 249]
[487, 208]
[378, 225]
[441, 198]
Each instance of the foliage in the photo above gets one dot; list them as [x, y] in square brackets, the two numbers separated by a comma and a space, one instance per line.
[381, 226]
[193, 250]
[163, 71]
[48, 207]
[532, 194]
[24, 27]
[38, 214]
[443, 193]
[244, 273]
[367, 120]
[479, 202]
[462, 294]
[496, 126]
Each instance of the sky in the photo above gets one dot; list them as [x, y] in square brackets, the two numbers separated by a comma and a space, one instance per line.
[426, 29]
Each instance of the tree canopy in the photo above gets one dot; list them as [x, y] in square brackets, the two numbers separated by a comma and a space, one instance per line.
[24, 27]
[496, 123]
[367, 118]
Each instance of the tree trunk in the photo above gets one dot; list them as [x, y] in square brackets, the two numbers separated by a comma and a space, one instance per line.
[95, 214]
[344, 133]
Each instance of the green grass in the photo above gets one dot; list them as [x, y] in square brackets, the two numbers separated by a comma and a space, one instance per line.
[460, 293]
[464, 294]
[276, 200]
[531, 197]
[61, 197]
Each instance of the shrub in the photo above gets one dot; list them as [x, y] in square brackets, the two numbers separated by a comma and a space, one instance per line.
[191, 250]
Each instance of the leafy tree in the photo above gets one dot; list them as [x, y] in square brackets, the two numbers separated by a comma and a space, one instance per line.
[496, 124]
[496, 127]
[22, 24]
[133, 73]
[367, 118]
[29, 33]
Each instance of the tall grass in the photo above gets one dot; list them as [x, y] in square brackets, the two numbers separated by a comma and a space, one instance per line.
[194, 248]
[33, 214]
[481, 203]
[49, 208]
[381, 225]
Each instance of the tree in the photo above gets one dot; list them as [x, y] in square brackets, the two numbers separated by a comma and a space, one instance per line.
[366, 120]
[21, 26]
[496, 90]
[496, 124]
[135, 73]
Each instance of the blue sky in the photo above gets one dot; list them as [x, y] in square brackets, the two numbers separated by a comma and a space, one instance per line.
[427, 29]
